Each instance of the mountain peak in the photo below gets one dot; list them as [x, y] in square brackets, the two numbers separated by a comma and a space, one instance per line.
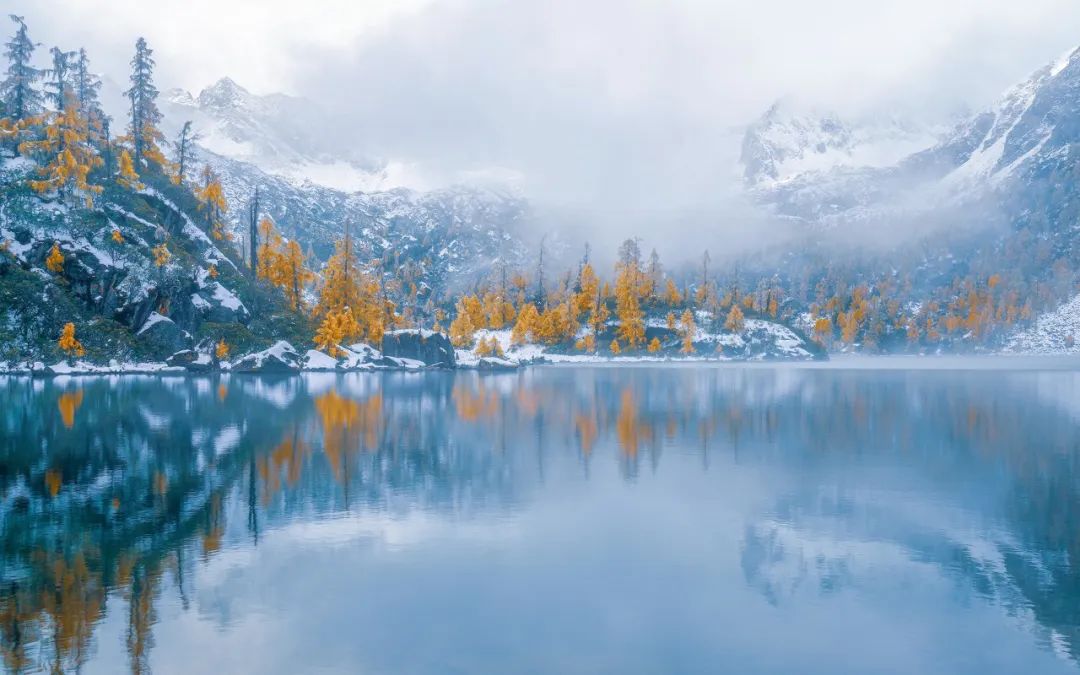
[225, 93]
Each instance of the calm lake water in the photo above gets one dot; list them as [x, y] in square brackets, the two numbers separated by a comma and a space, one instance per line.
[679, 519]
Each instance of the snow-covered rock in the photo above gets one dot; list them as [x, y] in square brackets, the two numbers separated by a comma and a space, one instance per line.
[279, 358]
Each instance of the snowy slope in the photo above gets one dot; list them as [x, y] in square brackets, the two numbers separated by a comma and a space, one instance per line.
[1055, 333]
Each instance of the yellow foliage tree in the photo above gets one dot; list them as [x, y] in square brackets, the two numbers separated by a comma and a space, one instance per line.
[55, 261]
[70, 156]
[221, 350]
[654, 345]
[127, 176]
[527, 325]
[117, 237]
[735, 321]
[823, 329]
[347, 288]
[672, 297]
[462, 328]
[68, 343]
[334, 329]
[627, 307]
[294, 275]
[688, 330]
[212, 202]
[615, 348]
[162, 255]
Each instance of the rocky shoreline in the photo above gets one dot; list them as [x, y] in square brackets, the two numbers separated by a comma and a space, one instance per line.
[402, 350]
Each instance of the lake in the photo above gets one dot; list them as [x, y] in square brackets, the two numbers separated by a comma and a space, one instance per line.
[851, 517]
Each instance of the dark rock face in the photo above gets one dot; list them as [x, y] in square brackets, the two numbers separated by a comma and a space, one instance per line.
[281, 358]
[164, 336]
[433, 349]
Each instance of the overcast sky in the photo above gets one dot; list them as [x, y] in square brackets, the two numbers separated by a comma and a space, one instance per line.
[631, 107]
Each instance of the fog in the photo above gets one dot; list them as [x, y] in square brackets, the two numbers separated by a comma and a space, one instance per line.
[614, 117]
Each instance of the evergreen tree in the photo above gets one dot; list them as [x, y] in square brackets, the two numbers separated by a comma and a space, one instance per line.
[212, 203]
[87, 86]
[145, 116]
[184, 148]
[17, 91]
[59, 84]
[253, 231]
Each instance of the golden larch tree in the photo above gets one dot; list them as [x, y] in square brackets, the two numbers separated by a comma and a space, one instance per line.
[68, 342]
[735, 321]
[55, 260]
[68, 154]
[688, 329]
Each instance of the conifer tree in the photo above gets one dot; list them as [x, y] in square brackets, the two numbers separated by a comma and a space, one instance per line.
[688, 330]
[126, 174]
[67, 152]
[735, 321]
[212, 203]
[654, 345]
[672, 297]
[462, 328]
[55, 261]
[654, 275]
[253, 230]
[162, 255]
[627, 307]
[184, 149]
[526, 326]
[68, 343]
[59, 86]
[145, 116]
[20, 99]
[294, 275]
[346, 288]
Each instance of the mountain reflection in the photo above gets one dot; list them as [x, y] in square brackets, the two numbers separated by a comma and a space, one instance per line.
[111, 486]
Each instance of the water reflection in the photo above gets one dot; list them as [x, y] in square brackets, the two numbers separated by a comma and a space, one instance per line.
[117, 492]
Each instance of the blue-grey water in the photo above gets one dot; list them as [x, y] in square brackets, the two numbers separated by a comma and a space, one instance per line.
[862, 517]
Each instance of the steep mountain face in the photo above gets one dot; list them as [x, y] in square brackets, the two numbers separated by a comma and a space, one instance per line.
[1012, 153]
[283, 135]
[438, 239]
[787, 142]
[133, 270]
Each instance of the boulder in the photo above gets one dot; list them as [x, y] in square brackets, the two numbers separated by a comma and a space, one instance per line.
[219, 305]
[163, 336]
[427, 347]
[280, 358]
[191, 360]
[494, 363]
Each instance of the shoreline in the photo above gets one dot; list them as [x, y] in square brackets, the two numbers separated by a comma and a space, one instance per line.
[898, 362]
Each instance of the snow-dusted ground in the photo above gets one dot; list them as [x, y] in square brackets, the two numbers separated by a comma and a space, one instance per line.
[1055, 333]
[785, 344]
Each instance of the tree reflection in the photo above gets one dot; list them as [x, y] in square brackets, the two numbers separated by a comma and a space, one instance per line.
[137, 475]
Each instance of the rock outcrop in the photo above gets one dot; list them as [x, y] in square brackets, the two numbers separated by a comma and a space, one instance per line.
[430, 348]
[281, 358]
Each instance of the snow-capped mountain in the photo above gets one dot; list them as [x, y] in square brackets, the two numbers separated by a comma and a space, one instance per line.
[312, 186]
[788, 141]
[820, 170]
[283, 135]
